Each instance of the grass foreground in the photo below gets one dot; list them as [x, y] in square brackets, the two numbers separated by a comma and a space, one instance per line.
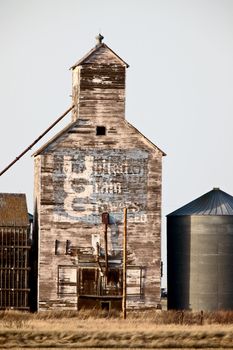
[92, 329]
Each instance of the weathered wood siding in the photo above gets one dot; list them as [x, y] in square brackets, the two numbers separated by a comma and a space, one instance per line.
[15, 245]
[99, 87]
[83, 175]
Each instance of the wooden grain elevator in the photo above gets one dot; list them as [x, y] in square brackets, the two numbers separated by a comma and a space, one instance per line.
[84, 177]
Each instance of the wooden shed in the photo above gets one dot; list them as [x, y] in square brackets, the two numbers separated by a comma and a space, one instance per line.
[14, 252]
[84, 177]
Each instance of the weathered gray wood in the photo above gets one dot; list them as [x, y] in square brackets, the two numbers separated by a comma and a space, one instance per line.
[80, 175]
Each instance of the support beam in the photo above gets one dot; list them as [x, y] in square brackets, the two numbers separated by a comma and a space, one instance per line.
[34, 142]
[106, 249]
[124, 265]
[105, 221]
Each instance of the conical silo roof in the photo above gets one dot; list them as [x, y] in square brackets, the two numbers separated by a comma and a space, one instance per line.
[214, 202]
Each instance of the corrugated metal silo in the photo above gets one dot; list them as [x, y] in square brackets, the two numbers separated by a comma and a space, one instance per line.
[200, 254]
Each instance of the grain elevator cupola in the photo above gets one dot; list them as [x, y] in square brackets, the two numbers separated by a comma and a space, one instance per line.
[98, 87]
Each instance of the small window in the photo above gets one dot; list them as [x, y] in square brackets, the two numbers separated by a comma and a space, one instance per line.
[100, 130]
[57, 247]
[105, 305]
[68, 247]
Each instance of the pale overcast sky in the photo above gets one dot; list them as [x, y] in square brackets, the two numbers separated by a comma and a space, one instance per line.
[179, 83]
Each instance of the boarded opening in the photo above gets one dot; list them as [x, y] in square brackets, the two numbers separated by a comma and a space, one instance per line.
[135, 280]
[67, 280]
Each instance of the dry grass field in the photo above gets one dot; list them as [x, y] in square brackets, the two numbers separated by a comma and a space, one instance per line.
[92, 329]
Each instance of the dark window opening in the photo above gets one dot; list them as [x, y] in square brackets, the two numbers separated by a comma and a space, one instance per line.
[68, 247]
[57, 247]
[105, 305]
[100, 130]
[88, 278]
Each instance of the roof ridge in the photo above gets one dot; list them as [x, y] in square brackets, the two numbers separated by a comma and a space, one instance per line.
[148, 140]
[94, 49]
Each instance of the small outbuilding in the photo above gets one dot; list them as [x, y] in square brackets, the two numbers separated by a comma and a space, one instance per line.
[200, 254]
[14, 251]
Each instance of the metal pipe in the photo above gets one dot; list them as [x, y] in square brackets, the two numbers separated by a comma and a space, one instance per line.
[106, 249]
[33, 143]
[97, 257]
[124, 264]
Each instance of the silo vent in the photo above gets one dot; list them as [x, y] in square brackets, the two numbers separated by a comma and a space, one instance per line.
[216, 189]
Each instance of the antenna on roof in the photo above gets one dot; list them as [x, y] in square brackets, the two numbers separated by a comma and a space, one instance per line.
[99, 39]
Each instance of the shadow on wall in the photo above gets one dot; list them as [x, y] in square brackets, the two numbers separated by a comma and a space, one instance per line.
[34, 263]
[178, 262]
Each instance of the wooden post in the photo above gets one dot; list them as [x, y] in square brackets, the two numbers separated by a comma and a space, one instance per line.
[202, 317]
[106, 249]
[124, 264]
[105, 221]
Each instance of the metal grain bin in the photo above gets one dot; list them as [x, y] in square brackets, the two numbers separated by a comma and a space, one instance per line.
[200, 254]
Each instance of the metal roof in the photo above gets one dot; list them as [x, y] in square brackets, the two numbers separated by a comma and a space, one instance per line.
[13, 209]
[214, 202]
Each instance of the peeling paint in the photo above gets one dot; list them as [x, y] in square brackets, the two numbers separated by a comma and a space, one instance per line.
[92, 178]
